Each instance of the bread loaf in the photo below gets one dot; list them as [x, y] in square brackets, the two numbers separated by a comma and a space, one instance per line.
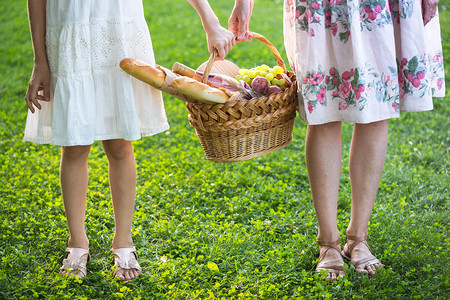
[199, 91]
[143, 71]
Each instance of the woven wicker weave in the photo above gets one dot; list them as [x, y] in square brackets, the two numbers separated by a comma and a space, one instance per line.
[240, 130]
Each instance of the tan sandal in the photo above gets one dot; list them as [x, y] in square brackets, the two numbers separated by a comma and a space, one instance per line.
[334, 266]
[370, 260]
[125, 259]
[75, 262]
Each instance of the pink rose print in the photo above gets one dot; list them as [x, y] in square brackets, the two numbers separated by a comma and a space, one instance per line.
[361, 88]
[404, 62]
[316, 78]
[346, 75]
[291, 2]
[415, 82]
[378, 8]
[297, 14]
[347, 34]
[357, 95]
[311, 32]
[342, 105]
[420, 75]
[395, 106]
[328, 18]
[372, 15]
[332, 71]
[344, 89]
[310, 107]
[317, 18]
[409, 77]
[332, 2]
[334, 29]
[439, 83]
[315, 5]
[334, 80]
[335, 93]
[321, 96]
[438, 58]
[367, 9]
[308, 15]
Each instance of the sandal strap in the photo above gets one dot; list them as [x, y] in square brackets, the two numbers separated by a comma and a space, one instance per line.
[74, 260]
[356, 240]
[372, 259]
[126, 258]
[336, 245]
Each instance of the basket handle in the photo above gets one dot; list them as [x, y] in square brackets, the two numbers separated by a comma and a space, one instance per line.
[257, 36]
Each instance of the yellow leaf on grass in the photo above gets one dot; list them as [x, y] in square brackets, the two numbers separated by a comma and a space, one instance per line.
[212, 267]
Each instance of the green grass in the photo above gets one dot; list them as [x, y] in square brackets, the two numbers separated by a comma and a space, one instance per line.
[238, 230]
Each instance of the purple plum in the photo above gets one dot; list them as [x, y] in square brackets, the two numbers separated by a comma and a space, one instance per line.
[260, 85]
[273, 89]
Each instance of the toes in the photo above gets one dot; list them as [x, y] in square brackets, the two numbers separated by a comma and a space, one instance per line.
[371, 270]
[119, 275]
[379, 266]
[362, 270]
[127, 275]
[333, 276]
[341, 274]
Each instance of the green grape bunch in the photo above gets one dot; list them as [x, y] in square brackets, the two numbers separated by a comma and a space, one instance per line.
[271, 74]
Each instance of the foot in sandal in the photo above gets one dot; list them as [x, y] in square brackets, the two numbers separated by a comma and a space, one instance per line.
[330, 259]
[125, 260]
[358, 252]
[75, 262]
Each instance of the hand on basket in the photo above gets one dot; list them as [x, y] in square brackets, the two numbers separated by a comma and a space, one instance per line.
[220, 39]
[240, 19]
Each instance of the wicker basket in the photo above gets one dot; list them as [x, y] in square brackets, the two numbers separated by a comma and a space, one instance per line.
[240, 130]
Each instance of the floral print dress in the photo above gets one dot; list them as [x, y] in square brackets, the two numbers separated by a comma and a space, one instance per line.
[362, 61]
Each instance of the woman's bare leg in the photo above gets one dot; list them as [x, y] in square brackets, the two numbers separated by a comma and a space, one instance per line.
[323, 160]
[367, 156]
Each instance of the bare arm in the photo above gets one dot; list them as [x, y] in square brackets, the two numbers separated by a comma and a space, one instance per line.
[217, 37]
[240, 19]
[40, 78]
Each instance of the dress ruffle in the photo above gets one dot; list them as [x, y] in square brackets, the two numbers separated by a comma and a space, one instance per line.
[362, 61]
[91, 97]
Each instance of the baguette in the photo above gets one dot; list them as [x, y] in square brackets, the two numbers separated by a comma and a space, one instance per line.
[199, 91]
[143, 71]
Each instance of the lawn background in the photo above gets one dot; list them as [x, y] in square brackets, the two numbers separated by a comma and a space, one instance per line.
[238, 230]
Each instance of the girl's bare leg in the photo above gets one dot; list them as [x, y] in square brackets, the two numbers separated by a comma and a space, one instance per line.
[367, 156]
[323, 160]
[74, 183]
[122, 178]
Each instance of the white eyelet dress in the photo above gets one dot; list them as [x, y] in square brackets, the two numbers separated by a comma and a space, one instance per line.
[91, 97]
[362, 61]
